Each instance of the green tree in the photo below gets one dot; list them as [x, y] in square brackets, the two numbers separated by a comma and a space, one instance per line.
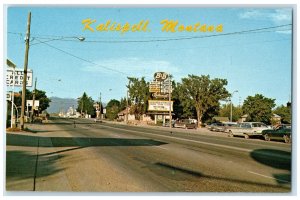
[112, 109]
[123, 103]
[86, 105]
[203, 94]
[258, 108]
[44, 101]
[285, 112]
[138, 94]
[225, 111]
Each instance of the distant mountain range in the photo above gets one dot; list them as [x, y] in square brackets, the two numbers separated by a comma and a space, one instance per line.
[61, 104]
[58, 104]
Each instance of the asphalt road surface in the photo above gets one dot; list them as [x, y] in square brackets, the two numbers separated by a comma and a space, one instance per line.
[81, 155]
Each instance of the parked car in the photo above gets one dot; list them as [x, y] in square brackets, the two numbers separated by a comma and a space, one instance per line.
[219, 127]
[247, 129]
[185, 123]
[282, 132]
[166, 124]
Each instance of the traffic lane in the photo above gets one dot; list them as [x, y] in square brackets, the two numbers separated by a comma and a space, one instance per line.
[231, 157]
[181, 170]
[83, 129]
[272, 157]
[196, 135]
[245, 146]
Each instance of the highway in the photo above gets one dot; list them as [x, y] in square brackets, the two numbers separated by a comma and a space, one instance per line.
[81, 155]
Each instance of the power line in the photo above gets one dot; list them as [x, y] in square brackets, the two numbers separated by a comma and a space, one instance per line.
[258, 30]
[83, 59]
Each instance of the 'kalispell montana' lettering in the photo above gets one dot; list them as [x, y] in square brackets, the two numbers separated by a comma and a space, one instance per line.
[174, 26]
[171, 26]
[142, 26]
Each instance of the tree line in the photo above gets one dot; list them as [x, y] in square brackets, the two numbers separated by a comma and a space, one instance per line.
[200, 97]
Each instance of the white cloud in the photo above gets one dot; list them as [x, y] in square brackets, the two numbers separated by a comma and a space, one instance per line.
[277, 16]
[133, 66]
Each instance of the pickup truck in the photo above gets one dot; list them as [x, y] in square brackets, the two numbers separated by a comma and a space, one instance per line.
[247, 129]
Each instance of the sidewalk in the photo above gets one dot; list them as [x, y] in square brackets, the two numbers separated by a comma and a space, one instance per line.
[30, 158]
[53, 160]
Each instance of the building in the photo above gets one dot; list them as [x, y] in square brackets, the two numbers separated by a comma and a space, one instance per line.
[220, 119]
[275, 119]
[122, 115]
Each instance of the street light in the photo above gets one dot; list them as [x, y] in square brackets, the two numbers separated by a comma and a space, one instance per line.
[231, 105]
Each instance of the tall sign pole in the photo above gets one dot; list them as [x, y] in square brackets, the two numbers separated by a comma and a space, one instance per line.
[170, 112]
[25, 70]
[12, 100]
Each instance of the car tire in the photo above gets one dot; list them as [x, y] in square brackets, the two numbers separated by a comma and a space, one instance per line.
[246, 136]
[267, 138]
[286, 139]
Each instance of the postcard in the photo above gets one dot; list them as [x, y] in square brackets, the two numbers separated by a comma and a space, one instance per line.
[149, 99]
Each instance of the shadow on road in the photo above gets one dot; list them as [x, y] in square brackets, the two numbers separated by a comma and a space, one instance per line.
[276, 159]
[25, 140]
[21, 166]
[180, 174]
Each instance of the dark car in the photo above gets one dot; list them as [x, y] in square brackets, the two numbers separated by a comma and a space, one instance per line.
[185, 123]
[282, 132]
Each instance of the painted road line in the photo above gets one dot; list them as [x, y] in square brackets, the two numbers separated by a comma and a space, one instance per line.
[269, 177]
[161, 147]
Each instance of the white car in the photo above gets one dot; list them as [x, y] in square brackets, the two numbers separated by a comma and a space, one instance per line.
[247, 129]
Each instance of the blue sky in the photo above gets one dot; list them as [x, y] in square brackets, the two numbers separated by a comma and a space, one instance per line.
[258, 62]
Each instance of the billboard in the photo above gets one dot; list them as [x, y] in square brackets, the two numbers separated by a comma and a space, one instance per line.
[30, 103]
[159, 105]
[19, 77]
[8, 96]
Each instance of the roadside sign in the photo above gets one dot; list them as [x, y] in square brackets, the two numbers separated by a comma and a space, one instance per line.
[19, 77]
[30, 103]
[8, 96]
[159, 105]
[160, 76]
[154, 86]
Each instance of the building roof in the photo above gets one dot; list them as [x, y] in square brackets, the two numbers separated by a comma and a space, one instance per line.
[275, 115]
[123, 112]
[221, 119]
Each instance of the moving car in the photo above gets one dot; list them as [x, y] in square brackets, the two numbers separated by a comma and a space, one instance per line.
[282, 132]
[185, 123]
[247, 129]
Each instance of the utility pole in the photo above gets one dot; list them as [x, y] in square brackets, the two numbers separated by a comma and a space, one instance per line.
[100, 106]
[170, 112]
[126, 107]
[127, 96]
[25, 70]
[231, 104]
[33, 100]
